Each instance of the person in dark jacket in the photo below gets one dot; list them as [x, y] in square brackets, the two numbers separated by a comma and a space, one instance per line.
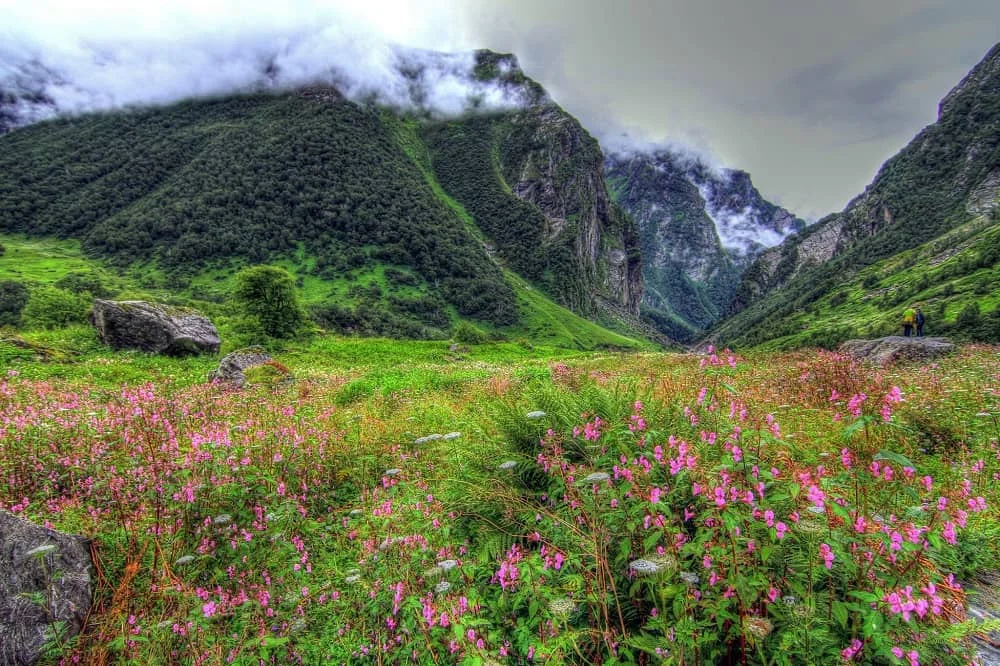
[920, 323]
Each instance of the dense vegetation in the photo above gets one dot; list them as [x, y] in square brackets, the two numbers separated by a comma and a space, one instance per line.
[467, 161]
[252, 178]
[510, 507]
[956, 272]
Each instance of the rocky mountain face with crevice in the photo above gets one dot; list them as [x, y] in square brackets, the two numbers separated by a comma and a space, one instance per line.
[699, 229]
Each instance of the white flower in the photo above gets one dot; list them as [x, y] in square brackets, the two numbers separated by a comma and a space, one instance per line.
[508, 464]
[535, 415]
[222, 519]
[392, 472]
[351, 580]
[448, 565]
[442, 587]
[562, 607]
[355, 512]
[690, 577]
[643, 567]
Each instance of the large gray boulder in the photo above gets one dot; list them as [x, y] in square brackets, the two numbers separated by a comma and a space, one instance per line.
[46, 586]
[154, 327]
[896, 348]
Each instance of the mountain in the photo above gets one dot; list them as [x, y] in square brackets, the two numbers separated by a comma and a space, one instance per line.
[938, 195]
[699, 228]
[394, 207]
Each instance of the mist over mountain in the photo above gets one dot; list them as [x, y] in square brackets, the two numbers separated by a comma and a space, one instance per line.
[456, 171]
[99, 76]
[700, 227]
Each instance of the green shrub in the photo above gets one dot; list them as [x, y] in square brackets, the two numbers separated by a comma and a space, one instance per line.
[13, 298]
[51, 307]
[468, 334]
[267, 293]
[968, 318]
[90, 282]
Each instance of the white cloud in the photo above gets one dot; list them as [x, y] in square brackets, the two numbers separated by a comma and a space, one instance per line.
[113, 55]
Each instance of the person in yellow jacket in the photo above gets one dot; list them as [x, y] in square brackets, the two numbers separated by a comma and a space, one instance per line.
[909, 319]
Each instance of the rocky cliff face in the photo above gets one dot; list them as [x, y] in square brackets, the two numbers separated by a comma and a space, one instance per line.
[533, 181]
[947, 173]
[561, 173]
[699, 228]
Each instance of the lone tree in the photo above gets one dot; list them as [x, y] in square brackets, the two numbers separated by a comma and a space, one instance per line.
[268, 294]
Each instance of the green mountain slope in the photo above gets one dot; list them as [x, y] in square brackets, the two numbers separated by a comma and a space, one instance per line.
[387, 228]
[948, 176]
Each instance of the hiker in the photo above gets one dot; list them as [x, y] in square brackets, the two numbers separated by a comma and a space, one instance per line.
[909, 319]
[920, 323]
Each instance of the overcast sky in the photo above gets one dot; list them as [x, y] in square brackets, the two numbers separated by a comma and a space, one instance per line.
[809, 96]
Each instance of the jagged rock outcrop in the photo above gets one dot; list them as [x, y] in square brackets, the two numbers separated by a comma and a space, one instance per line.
[948, 172]
[562, 175]
[154, 327]
[46, 587]
[896, 349]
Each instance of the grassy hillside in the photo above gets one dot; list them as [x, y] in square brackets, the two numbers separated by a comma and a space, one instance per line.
[512, 506]
[251, 179]
[954, 274]
[375, 300]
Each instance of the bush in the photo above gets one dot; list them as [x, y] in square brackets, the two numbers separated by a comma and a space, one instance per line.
[90, 282]
[468, 334]
[267, 293]
[13, 298]
[968, 318]
[51, 307]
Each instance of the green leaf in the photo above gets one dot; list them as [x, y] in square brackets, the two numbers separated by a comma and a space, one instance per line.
[894, 457]
[840, 613]
[850, 430]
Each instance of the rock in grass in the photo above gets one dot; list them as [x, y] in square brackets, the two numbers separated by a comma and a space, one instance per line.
[46, 586]
[897, 349]
[232, 369]
[154, 327]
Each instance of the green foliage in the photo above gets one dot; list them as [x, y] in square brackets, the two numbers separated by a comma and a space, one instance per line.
[468, 159]
[267, 293]
[86, 282]
[968, 318]
[51, 307]
[468, 334]
[13, 298]
[188, 186]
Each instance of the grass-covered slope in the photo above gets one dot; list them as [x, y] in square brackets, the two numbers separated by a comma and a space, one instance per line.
[955, 279]
[247, 178]
[375, 300]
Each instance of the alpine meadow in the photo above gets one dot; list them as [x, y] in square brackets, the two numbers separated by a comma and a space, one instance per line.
[315, 370]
